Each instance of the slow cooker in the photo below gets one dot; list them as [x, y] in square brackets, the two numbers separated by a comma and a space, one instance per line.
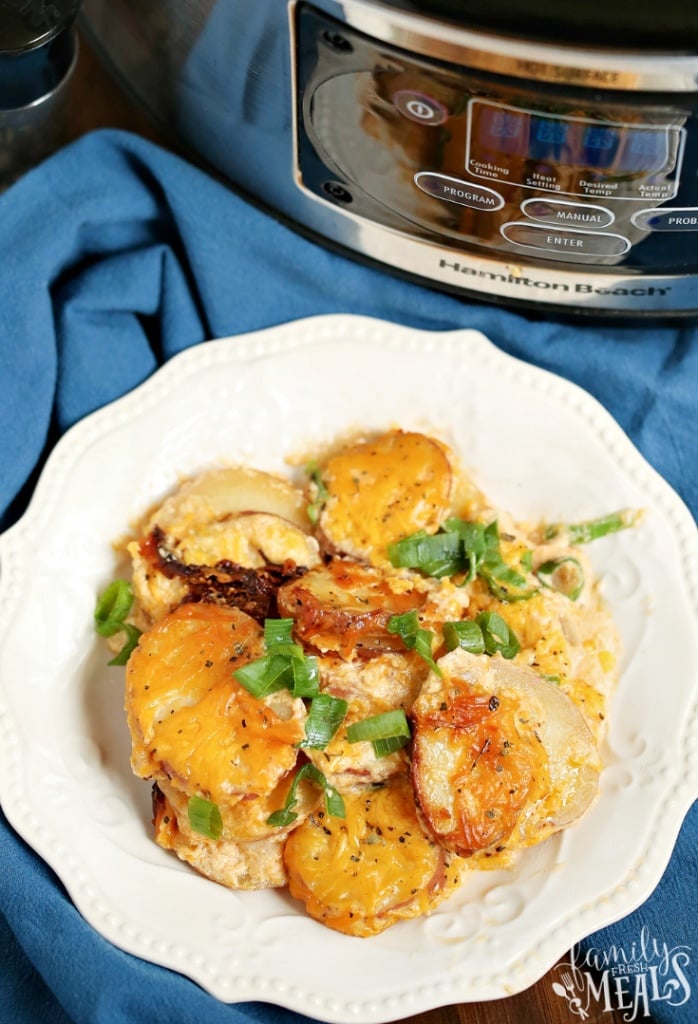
[533, 154]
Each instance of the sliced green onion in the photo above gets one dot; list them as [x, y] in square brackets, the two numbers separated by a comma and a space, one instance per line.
[306, 676]
[205, 817]
[321, 492]
[592, 529]
[324, 718]
[472, 536]
[285, 665]
[132, 636]
[498, 637]
[437, 555]
[551, 679]
[387, 732]
[466, 634]
[464, 546]
[266, 675]
[112, 608]
[407, 627]
[382, 748]
[287, 814]
[564, 575]
[380, 727]
[503, 581]
[527, 560]
[278, 632]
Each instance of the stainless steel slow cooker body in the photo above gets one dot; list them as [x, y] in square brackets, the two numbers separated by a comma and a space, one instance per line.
[506, 168]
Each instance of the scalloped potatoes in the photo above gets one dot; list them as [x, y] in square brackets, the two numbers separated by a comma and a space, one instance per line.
[500, 668]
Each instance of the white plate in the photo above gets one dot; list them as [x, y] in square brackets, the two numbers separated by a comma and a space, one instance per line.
[539, 446]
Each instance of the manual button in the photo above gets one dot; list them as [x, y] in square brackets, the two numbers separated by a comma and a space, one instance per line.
[557, 211]
[465, 193]
[577, 243]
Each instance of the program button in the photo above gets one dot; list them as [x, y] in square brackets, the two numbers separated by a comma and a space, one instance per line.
[442, 186]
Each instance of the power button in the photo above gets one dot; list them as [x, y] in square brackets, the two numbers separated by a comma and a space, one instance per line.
[417, 106]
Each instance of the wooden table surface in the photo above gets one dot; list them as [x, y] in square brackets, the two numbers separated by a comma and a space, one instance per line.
[102, 103]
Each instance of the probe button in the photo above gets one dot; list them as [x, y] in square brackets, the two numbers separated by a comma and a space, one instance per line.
[679, 218]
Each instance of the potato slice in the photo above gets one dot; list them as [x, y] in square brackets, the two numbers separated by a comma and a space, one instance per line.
[221, 493]
[192, 723]
[348, 766]
[364, 872]
[345, 607]
[500, 756]
[382, 490]
[243, 516]
[163, 563]
[237, 865]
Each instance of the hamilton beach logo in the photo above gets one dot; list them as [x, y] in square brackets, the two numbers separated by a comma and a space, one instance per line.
[630, 979]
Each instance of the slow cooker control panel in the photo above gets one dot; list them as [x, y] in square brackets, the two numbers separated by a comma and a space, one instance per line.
[476, 161]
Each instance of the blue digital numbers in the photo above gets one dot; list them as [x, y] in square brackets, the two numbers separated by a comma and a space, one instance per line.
[550, 131]
[504, 124]
[600, 146]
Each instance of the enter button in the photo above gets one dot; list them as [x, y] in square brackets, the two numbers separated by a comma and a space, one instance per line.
[577, 243]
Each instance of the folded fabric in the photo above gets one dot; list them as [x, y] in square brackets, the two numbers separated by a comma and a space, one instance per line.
[116, 256]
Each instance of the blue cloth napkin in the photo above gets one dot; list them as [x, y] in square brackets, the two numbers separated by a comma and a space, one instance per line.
[115, 256]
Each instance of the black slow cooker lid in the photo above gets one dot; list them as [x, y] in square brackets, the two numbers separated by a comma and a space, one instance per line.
[26, 26]
[37, 49]
[659, 25]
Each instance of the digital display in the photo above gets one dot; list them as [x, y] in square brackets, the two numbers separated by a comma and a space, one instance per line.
[570, 142]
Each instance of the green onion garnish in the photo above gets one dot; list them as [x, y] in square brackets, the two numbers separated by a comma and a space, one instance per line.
[407, 627]
[488, 633]
[266, 675]
[497, 635]
[504, 582]
[564, 575]
[592, 529]
[112, 608]
[306, 676]
[437, 555]
[382, 748]
[387, 732]
[132, 637]
[333, 800]
[284, 666]
[278, 632]
[205, 817]
[321, 492]
[466, 634]
[324, 718]
[472, 537]
[463, 546]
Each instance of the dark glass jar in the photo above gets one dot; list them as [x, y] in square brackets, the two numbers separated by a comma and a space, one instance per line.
[38, 52]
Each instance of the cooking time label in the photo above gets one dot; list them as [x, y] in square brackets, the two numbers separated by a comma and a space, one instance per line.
[573, 155]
